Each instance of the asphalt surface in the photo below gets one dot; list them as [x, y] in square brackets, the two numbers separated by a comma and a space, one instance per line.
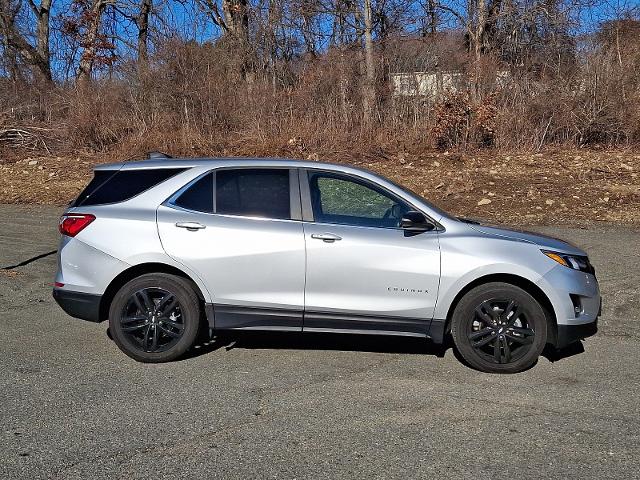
[288, 406]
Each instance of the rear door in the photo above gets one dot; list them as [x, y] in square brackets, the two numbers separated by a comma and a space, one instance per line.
[364, 273]
[240, 230]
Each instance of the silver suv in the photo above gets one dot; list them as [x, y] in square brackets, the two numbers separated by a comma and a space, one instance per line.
[169, 250]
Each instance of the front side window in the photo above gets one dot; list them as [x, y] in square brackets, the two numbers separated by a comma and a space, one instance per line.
[253, 192]
[342, 200]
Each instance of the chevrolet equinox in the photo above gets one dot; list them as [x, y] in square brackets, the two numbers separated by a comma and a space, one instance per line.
[170, 249]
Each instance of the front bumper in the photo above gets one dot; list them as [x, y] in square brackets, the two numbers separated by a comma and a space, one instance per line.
[568, 334]
[84, 306]
[575, 297]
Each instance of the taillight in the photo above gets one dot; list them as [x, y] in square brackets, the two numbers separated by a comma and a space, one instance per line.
[72, 224]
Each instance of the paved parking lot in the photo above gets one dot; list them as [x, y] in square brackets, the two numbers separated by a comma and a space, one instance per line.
[287, 406]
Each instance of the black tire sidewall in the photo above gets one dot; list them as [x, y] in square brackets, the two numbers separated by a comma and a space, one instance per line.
[189, 304]
[465, 311]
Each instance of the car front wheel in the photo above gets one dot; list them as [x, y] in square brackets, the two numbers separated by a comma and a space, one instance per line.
[155, 318]
[499, 328]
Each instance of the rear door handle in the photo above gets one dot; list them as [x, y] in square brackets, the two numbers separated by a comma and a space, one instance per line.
[326, 237]
[191, 226]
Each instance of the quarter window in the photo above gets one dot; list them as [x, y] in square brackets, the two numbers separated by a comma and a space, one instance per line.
[346, 201]
[112, 186]
[198, 196]
[253, 193]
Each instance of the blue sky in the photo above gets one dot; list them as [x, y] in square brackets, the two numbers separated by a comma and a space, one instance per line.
[190, 24]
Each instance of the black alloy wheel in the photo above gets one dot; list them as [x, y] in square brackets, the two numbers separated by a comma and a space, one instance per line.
[152, 318]
[500, 331]
[155, 317]
[499, 328]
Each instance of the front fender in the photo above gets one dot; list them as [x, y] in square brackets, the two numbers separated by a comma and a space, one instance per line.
[451, 284]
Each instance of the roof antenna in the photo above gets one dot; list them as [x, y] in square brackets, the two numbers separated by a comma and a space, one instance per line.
[157, 155]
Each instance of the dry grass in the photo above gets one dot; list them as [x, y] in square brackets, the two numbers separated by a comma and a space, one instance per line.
[571, 127]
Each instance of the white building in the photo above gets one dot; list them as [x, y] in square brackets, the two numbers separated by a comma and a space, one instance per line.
[432, 84]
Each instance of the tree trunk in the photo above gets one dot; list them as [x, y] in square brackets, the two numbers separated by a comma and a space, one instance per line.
[338, 39]
[490, 27]
[43, 33]
[432, 18]
[369, 92]
[89, 41]
[142, 21]
[481, 21]
[236, 20]
[236, 16]
[307, 34]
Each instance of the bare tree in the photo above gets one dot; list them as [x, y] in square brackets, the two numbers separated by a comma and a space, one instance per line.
[37, 56]
[142, 22]
[236, 14]
[307, 14]
[93, 19]
[234, 25]
[431, 20]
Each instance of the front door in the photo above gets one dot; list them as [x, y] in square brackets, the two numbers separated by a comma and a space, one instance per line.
[237, 229]
[364, 273]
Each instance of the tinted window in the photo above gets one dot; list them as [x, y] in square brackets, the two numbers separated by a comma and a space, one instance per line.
[199, 196]
[341, 200]
[99, 177]
[253, 193]
[111, 187]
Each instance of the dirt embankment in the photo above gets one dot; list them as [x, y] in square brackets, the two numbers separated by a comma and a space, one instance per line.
[567, 187]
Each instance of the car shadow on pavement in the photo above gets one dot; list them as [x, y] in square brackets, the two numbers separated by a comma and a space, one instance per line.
[29, 260]
[318, 341]
[350, 343]
[553, 355]
[345, 342]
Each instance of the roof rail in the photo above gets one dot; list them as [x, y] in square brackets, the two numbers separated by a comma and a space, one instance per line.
[158, 155]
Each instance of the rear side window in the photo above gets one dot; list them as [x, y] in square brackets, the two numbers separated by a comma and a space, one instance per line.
[253, 193]
[198, 196]
[109, 186]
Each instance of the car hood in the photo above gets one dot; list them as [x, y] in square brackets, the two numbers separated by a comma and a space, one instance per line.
[543, 241]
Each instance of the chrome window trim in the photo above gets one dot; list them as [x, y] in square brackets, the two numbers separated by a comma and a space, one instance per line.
[295, 208]
[225, 215]
[368, 227]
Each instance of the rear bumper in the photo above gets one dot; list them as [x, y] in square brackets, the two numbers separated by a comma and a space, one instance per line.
[568, 334]
[84, 306]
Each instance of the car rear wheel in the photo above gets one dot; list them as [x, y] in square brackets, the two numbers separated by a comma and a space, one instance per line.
[155, 318]
[499, 328]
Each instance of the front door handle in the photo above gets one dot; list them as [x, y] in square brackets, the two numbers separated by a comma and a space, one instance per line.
[326, 237]
[191, 226]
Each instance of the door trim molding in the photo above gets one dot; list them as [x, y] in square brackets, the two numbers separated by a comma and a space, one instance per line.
[365, 323]
[238, 317]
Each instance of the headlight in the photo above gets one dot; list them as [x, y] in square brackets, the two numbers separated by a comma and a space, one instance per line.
[576, 262]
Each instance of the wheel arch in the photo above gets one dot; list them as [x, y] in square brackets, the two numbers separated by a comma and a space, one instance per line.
[527, 285]
[135, 271]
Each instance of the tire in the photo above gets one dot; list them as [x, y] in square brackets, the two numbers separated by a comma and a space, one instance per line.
[166, 333]
[502, 314]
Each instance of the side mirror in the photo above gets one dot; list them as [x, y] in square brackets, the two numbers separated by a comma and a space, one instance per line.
[413, 221]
